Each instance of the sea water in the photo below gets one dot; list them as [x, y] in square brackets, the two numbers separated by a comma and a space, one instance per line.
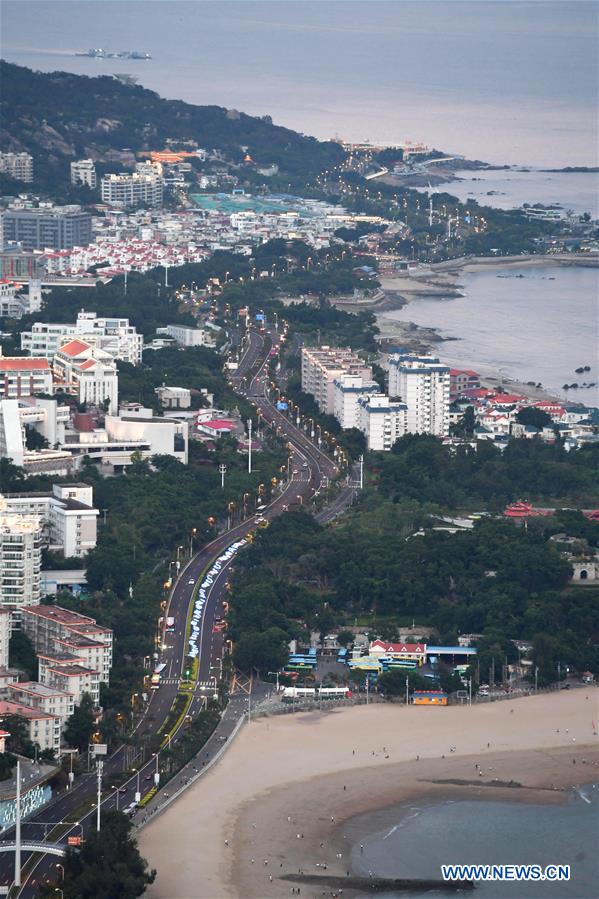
[529, 324]
[512, 188]
[414, 842]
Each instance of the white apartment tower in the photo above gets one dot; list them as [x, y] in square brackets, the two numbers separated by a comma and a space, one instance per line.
[132, 190]
[422, 383]
[347, 391]
[20, 560]
[322, 366]
[382, 421]
[83, 171]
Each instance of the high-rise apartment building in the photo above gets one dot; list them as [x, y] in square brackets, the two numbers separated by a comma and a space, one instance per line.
[53, 227]
[83, 172]
[347, 391]
[322, 366]
[381, 420]
[20, 560]
[132, 190]
[422, 383]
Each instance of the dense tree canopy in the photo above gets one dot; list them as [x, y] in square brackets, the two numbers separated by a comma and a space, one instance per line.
[108, 865]
[496, 579]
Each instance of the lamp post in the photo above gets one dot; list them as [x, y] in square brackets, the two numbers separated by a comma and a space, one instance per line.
[249, 446]
[191, 538]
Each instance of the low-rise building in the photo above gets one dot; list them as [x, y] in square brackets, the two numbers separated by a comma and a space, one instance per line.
[461, 380]
[88, 373]
[44, 729]
[24, 376]
[74, 679]
[83, 172]
[63, 637]
[15, 301]
[43, 698]
[164, 436]
[173, 397]
[17, 165]
[68, 515]
[188, 337]
[114, 336]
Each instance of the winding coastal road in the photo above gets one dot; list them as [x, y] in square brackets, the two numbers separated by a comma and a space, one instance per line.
[310, 469]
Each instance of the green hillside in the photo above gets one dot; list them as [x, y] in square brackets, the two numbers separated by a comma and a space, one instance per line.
[59, 116]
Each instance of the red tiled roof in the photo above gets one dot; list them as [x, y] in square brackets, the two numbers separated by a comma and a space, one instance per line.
[398, 647]
[25, 363]
[89, 363]
[218, 424]
[507, 399]
[74, 347]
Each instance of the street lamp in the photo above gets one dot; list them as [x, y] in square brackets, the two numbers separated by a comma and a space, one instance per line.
[191, 539]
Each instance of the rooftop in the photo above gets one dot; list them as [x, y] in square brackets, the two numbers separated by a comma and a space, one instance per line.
[24, 363]
[8, 707]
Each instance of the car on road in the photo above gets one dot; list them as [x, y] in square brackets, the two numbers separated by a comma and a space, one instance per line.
[148, 777]
[122, 790]
[191, 580]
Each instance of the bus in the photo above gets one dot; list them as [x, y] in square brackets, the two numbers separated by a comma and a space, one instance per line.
[290, 694]
[156, 676]
[334, 693]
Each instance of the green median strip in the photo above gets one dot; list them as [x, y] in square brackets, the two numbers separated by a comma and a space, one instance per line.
[175, 727]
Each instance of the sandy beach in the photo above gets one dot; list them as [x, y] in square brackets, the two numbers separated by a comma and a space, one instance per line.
[309, 773]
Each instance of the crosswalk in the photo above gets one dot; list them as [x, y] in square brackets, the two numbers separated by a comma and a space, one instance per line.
[175, 681]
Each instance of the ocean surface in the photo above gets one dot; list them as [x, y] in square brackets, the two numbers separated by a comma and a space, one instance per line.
[529, 324]
[415, 842]
[503, 82]
[578, 191]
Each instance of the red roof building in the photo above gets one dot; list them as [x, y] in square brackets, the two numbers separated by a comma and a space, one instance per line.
[415, 651]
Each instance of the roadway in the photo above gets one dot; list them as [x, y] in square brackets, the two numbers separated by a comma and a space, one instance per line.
[309, 466]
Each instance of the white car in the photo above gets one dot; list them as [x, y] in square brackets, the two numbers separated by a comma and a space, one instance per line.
[191, 580]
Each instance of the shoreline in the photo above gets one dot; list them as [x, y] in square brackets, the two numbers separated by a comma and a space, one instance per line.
[443, 284]
[284, 776]
[380, 799]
